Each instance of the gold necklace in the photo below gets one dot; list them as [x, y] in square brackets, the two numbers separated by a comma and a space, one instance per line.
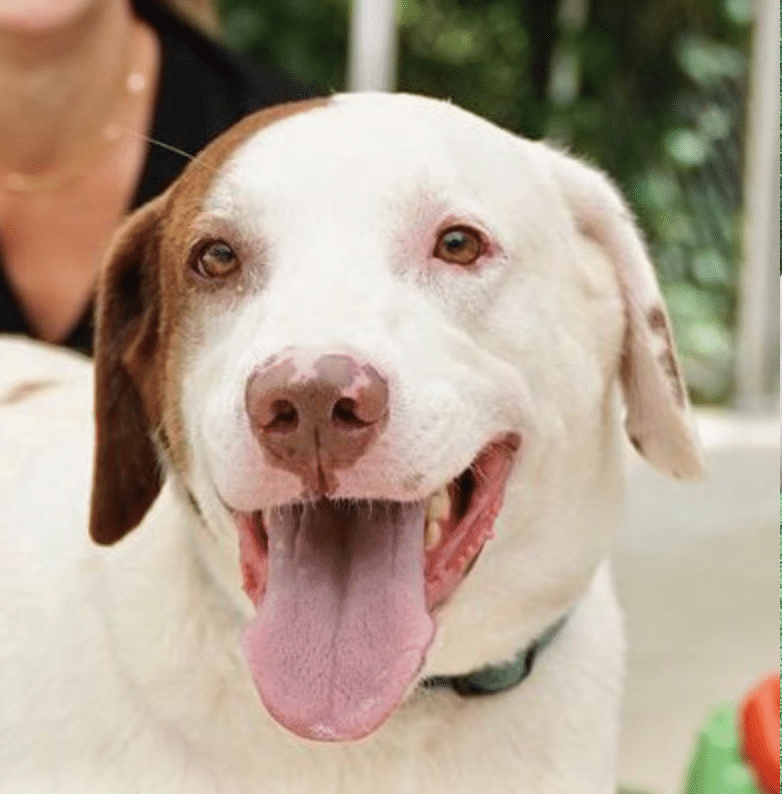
[135, 83]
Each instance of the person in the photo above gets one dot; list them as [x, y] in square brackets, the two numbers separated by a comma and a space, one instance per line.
[85, 84]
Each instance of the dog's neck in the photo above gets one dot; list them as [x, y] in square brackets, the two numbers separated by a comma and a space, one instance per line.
[493, 679]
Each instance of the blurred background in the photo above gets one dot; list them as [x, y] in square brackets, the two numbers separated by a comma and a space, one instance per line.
[679, 101]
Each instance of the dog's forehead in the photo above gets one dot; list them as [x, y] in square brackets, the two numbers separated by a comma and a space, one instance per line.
[364, 145]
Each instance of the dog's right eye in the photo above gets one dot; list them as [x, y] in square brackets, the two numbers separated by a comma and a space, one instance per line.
[216, 260]
[459, 245]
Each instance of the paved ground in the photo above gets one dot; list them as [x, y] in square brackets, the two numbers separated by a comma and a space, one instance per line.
[697, 572]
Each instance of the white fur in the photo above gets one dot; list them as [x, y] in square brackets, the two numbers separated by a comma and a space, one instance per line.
[121, 669]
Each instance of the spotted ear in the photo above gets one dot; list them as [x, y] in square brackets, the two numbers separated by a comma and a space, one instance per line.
[658, 421]
[126, 475]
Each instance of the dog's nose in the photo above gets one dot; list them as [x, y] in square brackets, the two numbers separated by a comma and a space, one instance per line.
[316, 413]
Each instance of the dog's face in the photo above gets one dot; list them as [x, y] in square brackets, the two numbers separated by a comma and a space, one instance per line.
[368, 334]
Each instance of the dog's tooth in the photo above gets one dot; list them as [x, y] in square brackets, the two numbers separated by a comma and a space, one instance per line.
[439, 505]
[432, 534]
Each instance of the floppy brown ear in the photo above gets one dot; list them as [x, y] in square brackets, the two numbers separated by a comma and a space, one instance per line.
[658, 420]
[126, 474]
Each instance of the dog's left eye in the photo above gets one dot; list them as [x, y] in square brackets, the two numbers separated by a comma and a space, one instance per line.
[216, 260]
[460, 245]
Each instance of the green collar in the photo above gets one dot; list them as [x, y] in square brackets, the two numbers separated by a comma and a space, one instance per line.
[493, 679]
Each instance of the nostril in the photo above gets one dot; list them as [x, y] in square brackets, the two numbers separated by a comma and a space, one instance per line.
[285, 417]
[344, 414]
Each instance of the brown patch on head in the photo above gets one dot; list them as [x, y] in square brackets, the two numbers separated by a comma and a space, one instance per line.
[188, 192]
[142, 309]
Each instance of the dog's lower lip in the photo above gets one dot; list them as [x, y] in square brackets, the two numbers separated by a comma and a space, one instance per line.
[472, 521]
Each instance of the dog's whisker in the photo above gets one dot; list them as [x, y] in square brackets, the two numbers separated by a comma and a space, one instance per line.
[167, 146]
[153, 141]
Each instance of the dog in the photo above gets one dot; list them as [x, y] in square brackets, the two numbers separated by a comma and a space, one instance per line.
[364, 378]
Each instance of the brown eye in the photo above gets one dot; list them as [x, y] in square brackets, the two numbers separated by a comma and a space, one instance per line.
[459, 245]
[216, 260]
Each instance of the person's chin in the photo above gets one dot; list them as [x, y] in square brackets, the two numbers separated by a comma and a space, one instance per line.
[33, 17]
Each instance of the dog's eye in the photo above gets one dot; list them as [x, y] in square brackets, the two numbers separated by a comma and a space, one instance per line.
[459, 245]
[216, 260]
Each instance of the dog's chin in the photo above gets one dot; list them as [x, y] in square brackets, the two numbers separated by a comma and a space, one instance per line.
[346, 591]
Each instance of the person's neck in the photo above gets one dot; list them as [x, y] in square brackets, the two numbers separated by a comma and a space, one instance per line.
[60, 85]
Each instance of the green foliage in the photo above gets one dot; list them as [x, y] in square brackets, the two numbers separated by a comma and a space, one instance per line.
[306, 39]
[652, 90]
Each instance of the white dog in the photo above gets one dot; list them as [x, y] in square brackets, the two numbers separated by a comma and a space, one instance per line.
[360, 382]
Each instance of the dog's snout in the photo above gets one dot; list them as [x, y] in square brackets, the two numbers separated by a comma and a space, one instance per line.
[316, 413]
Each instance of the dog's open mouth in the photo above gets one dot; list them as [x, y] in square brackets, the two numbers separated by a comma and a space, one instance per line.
[345, 592]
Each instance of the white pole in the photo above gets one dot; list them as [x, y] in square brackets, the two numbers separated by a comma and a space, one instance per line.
[373, 46]
[757, 355]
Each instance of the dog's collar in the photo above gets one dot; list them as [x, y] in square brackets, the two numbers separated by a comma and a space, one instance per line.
[498, 678]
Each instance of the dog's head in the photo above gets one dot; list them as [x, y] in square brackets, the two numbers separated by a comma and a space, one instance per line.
[367, 334]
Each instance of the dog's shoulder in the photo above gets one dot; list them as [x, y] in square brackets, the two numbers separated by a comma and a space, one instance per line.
[27, 363]
[46, 622]
[46, 438]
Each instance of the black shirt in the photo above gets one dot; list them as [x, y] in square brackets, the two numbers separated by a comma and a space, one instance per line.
[202, 90]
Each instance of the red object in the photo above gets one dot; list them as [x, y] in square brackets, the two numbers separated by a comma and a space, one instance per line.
[760, 733]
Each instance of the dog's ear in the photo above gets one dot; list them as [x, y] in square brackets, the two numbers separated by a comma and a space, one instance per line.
[658, 419]
[126, 474]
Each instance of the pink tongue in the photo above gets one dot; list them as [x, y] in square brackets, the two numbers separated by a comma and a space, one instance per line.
[343, 626]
